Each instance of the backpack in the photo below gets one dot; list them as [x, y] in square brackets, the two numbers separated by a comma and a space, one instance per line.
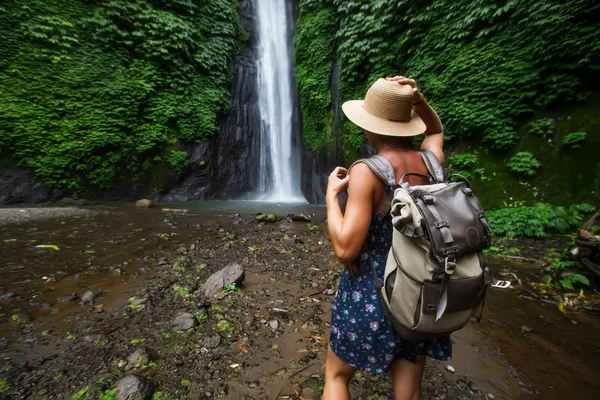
[434, 277]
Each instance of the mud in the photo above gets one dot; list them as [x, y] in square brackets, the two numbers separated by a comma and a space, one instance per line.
[521, 348]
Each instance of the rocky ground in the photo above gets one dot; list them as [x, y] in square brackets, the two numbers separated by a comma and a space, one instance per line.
[263, 339]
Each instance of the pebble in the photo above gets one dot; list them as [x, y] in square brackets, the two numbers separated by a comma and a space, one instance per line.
[274, 324]
[490, 396]
[450, 368]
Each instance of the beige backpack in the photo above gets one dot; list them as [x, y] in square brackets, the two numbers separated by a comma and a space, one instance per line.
[434, 277]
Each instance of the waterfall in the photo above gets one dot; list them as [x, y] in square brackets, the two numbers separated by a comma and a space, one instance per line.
[279, 162]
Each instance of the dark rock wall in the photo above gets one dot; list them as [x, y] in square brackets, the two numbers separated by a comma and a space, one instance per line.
[225, 167]
[19, 186]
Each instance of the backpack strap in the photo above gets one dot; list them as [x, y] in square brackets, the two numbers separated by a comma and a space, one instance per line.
[384, 170]
[433, 165]
[380, 167]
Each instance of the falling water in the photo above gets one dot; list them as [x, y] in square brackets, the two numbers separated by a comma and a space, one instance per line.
[279, 162]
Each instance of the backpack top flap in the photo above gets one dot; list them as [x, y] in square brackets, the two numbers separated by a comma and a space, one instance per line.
[453, 218]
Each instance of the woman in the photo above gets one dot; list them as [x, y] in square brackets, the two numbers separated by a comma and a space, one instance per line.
[361, 336]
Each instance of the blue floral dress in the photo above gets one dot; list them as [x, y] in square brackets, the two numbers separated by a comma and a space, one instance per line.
[361, 334]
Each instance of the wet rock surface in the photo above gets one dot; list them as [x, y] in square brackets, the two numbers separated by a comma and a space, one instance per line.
[134, 387]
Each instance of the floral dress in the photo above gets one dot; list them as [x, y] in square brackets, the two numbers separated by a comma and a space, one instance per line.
[361, 334]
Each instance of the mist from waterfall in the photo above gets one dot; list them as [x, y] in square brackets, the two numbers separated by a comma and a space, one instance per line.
[279, 162]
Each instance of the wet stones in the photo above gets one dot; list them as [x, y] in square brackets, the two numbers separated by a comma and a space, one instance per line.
[8, 296]
[233, 273]
[134, 387]
[184, 321]
[144, 203]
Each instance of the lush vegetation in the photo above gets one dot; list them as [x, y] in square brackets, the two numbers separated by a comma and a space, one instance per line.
[95, 91]
[475, 60]
[538, 221]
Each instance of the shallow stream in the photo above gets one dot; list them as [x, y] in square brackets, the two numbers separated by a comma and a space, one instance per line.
[521, 349]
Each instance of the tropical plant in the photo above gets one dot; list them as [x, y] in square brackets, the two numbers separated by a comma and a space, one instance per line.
[523, 163]
[573, 140]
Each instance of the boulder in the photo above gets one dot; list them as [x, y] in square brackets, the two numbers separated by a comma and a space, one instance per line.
[233, 273]
[184, 321]
[144, 203]
[134, 387]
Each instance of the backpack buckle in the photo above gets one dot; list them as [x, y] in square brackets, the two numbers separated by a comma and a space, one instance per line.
[449, 266]
[441, 224]
[467, 191]
[428, 199]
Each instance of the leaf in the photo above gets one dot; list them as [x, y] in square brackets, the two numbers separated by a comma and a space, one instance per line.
[9, 240]
[47, 246]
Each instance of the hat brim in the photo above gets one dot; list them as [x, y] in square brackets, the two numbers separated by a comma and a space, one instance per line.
[356, 113]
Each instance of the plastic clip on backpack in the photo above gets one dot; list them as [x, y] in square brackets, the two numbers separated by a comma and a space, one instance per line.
[434, 277]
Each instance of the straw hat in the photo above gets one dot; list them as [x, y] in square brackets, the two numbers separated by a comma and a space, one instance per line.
[386, 110]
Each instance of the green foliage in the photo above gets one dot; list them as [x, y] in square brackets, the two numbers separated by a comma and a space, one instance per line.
[178, 160]
[462, 163]
[94, 91]
[523, 163]
[484, 65]
[110, 394]
[81, 395]
[542, 127]
[4, 387]
[315, 52]
[538, 221]
[573, 140]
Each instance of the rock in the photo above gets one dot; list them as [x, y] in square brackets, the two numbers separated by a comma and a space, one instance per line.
[8, 296]
[67, 299]
[301, 218]
[233, 273]
[21, 318]
[450, 368]
[212, 341]
[280, 311]
[268, 218]
[138, 358]
[253, 384]
[87, 297]
[490, 396]
[144, 203]
[134, 387]
[274, 324]
[20, 186]
[584, 235]
[184, 321]
[299, 274]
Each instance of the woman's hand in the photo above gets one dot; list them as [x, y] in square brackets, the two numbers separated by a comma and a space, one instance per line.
[417, 96]
[338, 181]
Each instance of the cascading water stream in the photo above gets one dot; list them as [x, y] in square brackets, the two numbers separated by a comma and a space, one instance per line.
[279, 161]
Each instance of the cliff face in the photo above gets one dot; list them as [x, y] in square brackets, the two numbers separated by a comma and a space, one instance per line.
[224, 167]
